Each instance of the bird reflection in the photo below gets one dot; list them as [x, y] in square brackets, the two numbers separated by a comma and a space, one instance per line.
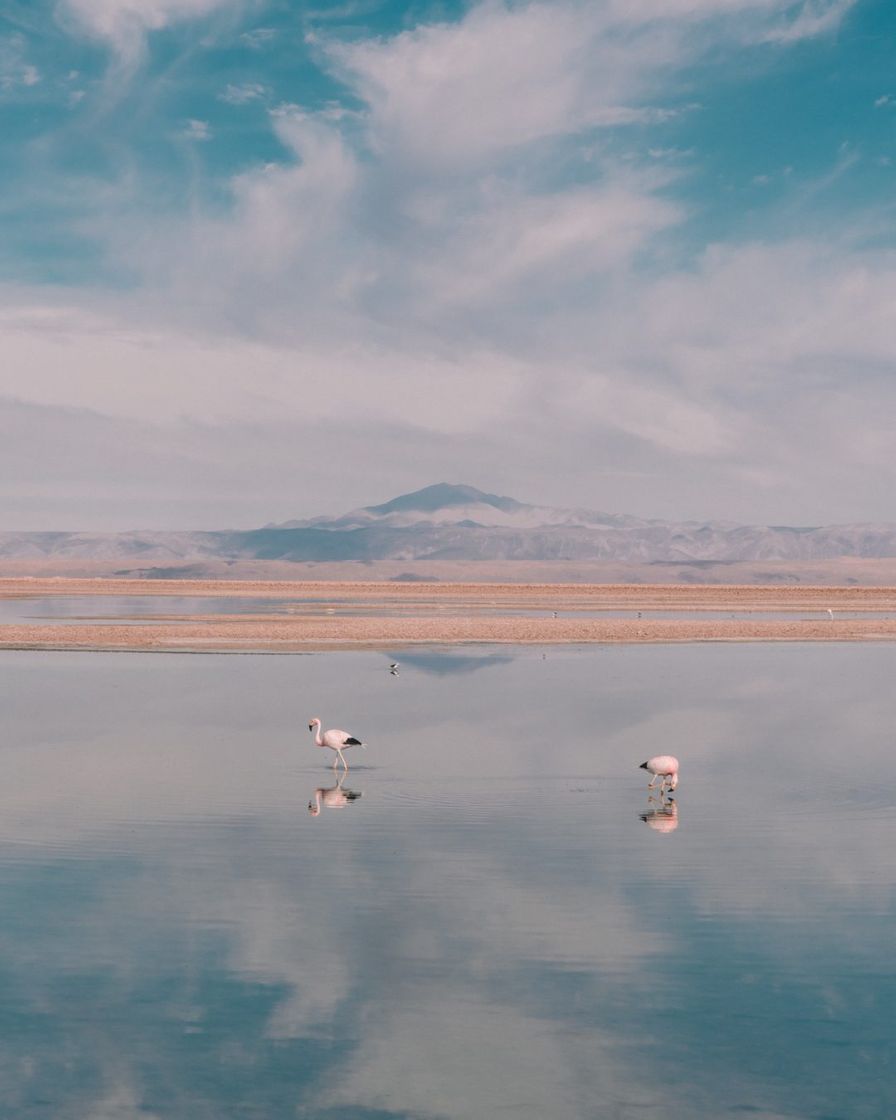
[661, 815]
[334, 797]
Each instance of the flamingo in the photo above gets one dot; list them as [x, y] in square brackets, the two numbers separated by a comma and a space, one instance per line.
[334, 797]
[663, 766]
[335, 740]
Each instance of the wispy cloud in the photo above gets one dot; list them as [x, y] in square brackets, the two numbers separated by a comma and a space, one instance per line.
[483, 243]
[15, 69]
[124, 24]
[196, 130]
[259, 37]
[814, 17]
[242, 94]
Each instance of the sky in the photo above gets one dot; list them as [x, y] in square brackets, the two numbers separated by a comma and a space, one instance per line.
[264, 259]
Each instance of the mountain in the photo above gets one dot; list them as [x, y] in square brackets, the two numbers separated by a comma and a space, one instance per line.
[446, 504]
[454, 524]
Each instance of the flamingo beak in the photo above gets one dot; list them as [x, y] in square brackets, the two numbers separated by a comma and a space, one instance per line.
[310, 726]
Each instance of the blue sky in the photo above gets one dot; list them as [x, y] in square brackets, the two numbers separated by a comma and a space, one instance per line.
[263, 259]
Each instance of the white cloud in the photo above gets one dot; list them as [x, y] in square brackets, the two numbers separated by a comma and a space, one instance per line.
[242, 94]
[197, 130]
[525, 246]
[15, 70]
[815, 17]
[502, 77]
[506, 76]
[258, 37]
[414, 272]
[124, 24]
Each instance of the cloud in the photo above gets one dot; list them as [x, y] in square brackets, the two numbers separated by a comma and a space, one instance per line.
[259, 37]
[522, 246]
[814, 17]
[197, 130]
[488, 235]
[451, 95]
[242, 94]
[738, 363]
[448, 95]
[124, 24]
[15, 71]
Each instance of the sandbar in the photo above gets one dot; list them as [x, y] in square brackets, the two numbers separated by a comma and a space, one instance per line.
[314, 615]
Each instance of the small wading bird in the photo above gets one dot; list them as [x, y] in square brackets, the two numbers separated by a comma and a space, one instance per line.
[663, 766]
[335, 739]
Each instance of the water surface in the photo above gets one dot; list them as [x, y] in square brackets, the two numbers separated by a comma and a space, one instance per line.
[490, 928]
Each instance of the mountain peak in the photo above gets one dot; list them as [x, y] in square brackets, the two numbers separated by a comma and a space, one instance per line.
[442, 495]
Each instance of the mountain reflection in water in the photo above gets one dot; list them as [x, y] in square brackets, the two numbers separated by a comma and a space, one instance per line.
[489, 930]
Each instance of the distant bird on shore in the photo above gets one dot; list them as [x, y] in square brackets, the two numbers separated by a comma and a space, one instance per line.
[335, 739]
[663, 766]
[830, 614]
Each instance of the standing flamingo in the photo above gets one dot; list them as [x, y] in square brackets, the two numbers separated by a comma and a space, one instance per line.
[663, 766]
[335, 740]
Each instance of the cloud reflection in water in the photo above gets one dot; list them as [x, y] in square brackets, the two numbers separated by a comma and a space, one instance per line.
[179, 939]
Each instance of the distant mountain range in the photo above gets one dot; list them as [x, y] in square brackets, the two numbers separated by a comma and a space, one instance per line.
[460, 523]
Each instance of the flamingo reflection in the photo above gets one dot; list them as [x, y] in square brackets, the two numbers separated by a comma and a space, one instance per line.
[334, 797]
[662, 816]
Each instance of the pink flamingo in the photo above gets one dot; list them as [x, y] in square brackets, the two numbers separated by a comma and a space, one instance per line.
[663, 766]
[335, 739]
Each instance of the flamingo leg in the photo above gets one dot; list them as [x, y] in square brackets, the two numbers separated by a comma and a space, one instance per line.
[342, 756]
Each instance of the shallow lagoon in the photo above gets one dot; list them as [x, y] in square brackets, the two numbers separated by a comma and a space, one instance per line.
[491, 928]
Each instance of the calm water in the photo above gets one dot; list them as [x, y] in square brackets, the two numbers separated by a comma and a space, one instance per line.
[490, 929]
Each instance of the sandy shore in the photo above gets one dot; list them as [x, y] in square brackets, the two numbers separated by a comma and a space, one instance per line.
[319, 615]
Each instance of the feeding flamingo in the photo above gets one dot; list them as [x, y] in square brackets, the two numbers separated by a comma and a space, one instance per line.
[335, 739]
[663, 766]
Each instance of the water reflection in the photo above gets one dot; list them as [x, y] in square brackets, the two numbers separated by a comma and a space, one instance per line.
[446, 664]
[661, 814]
[332, 797]
[481, 939]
